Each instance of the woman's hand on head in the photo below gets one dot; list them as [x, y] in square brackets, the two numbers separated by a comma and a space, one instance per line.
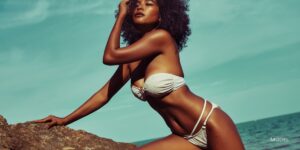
[123, 7]
[52, 121]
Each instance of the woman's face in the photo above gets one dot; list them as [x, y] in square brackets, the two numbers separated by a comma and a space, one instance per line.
[146, 12]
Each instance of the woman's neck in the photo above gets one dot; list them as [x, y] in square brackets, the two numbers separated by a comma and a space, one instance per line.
[145, 29]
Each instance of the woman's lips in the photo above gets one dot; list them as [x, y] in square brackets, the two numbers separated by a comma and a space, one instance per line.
[139, 14]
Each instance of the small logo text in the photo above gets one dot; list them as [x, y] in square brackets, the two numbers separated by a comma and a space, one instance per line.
[279, 139]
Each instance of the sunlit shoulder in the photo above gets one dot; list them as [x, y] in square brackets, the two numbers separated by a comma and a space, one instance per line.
[152, 43]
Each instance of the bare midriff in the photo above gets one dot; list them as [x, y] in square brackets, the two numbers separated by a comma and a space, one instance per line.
[180, 110]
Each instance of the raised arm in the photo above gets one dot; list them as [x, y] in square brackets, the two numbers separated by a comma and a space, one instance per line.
[96, 101]
[152, 43]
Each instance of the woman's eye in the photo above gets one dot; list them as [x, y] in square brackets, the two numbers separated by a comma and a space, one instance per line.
[149, 4]
[137, 4]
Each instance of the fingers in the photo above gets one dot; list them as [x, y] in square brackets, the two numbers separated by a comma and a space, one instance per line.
[125, 2]
[38, 121]
[47, 119]
[51, 119]
[50, 125]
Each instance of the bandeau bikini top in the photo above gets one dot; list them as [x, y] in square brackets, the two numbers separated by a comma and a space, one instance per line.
[158, 85]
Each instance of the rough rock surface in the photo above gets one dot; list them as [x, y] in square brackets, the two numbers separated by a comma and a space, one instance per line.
[31, 136]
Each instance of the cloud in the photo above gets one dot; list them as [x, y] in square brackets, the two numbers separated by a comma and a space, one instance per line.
[217, 83]
[117, 108]
[14, 55]
[225, 11]
[213, 11]
[19, 13]
[224, 30]
[30, 14]
[77, 6]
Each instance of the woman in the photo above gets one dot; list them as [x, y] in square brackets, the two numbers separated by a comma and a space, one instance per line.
[155, 31]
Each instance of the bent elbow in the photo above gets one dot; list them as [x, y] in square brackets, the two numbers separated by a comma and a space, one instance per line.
[107, 60]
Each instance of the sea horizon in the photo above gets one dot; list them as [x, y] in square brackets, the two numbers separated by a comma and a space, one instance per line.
[277, 140]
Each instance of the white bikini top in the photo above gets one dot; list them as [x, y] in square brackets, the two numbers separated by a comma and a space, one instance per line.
[158, 85]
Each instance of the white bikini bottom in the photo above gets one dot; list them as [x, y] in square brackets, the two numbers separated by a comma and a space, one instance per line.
[200, 138]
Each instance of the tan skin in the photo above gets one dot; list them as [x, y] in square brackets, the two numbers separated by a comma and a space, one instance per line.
[156, 52]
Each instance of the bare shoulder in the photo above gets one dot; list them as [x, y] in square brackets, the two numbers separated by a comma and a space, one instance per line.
[161, 38]
[160, 34]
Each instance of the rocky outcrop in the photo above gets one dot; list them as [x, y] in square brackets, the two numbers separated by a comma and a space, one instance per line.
[31, 136]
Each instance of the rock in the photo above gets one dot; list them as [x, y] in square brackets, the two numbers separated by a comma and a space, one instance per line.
[31, 136]
[5, 138]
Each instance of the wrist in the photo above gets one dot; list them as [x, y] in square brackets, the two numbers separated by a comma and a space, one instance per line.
[65, 121]
[122, 14]
[120, 19]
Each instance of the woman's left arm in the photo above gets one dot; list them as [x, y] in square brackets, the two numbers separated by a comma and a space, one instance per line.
[150, 44]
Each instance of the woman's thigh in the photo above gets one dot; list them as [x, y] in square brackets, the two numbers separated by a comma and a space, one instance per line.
[222, 133]
[171, 142]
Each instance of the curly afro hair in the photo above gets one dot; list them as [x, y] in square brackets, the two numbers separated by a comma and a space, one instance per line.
[174, 19]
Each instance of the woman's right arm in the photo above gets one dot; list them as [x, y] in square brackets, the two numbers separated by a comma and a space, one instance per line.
[96, 101]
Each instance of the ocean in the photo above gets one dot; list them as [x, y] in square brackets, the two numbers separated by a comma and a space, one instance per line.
[275, 133]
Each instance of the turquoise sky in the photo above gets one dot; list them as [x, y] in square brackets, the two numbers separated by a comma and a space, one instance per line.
[242, 55]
